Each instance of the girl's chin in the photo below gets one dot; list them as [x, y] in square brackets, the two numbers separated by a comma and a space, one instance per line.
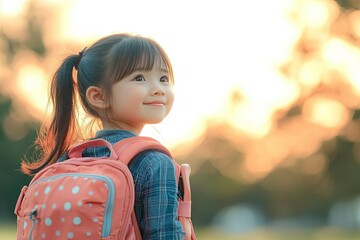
[154, 121]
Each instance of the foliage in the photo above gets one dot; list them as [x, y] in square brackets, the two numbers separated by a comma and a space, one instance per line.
[349, 4]
[11, 154]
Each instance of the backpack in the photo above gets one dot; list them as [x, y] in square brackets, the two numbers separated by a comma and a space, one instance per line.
[88, 198]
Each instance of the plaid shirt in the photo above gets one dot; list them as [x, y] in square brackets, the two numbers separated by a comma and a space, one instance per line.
[155, 189]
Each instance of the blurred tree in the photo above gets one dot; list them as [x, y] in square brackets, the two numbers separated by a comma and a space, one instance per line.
[32, 39]
[349, 4]
[11, 154]
[17, 128]
[308, 161]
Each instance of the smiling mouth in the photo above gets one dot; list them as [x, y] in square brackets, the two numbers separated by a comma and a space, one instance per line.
[155, 104]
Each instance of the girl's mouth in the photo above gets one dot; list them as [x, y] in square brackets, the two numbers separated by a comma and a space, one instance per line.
[155, 104]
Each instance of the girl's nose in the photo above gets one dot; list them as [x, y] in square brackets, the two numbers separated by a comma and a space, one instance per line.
[158, 90]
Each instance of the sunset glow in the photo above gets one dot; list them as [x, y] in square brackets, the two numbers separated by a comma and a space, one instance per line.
[234, 64]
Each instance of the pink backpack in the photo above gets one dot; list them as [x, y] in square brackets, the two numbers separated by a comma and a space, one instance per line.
[84, 198]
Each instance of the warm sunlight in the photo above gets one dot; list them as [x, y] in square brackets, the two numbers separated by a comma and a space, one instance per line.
[11, 8]
[210, 50]
[213, 52]
[237, 65]
[326, 112]
[30, 79]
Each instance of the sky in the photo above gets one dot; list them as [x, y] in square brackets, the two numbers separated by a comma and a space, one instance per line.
[216, 47]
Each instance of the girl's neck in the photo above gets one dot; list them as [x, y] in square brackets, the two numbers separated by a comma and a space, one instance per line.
[136, 129]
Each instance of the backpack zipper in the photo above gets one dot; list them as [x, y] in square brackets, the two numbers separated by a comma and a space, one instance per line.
[32, 216]
[106, 229]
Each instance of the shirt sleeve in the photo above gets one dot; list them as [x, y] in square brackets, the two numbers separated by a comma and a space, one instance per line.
[156, 201]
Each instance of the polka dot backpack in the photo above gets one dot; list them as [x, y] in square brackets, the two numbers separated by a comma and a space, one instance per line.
[84, 198]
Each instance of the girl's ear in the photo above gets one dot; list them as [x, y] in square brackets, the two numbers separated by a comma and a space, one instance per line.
[96, 98]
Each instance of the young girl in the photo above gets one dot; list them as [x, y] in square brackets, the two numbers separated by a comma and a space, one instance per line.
[123, 82]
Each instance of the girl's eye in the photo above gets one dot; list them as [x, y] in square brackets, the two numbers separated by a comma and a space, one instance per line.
[139, 78]
[164, 79]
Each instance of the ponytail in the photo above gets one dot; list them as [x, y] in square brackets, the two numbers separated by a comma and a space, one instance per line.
[62, 132]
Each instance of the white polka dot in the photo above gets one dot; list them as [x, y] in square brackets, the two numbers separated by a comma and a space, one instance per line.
[76, 220]
[43, 236]
[80, 203]
[75, 177]
[43, 206]
[48, 221]
[25, 224]
[88, 234]
[61, 187]
[70, 235]
[36, 194]
[94, 180]
[75, 190]
[57, 233]
[95, 219]
[67, 206]
[47, 190]
[106, 186]
[86, 178]
[90, 204]
[62, 219]
[91, 193]
[53, 206]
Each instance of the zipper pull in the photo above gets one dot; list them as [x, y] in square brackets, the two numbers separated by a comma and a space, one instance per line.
[33, 214]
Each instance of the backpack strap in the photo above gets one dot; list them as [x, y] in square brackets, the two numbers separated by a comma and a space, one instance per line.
[128, 148]
[77, 150]
[184, 211]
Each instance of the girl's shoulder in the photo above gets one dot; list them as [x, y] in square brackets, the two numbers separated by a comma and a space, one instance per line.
[149, 161]
[114, 136]
[152, 160]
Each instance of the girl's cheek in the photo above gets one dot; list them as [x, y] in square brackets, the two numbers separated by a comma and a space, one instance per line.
[171, 96]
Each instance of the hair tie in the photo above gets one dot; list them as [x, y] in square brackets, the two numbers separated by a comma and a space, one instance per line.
[80, 56]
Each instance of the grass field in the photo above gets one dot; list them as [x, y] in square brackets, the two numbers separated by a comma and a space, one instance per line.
[271, 234]
[7, 232]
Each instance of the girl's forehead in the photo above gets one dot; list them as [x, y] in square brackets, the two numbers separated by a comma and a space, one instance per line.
[158, 63]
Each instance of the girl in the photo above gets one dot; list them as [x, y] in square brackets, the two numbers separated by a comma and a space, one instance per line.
[123, 82]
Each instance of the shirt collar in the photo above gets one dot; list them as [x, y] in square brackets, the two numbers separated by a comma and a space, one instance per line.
[124, 133]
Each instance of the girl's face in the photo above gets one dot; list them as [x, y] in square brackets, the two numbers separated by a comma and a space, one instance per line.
[143, 97]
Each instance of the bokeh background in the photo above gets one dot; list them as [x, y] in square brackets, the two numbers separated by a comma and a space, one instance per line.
[267, 108]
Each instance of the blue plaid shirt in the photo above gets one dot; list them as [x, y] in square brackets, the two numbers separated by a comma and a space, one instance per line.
[155, 189]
